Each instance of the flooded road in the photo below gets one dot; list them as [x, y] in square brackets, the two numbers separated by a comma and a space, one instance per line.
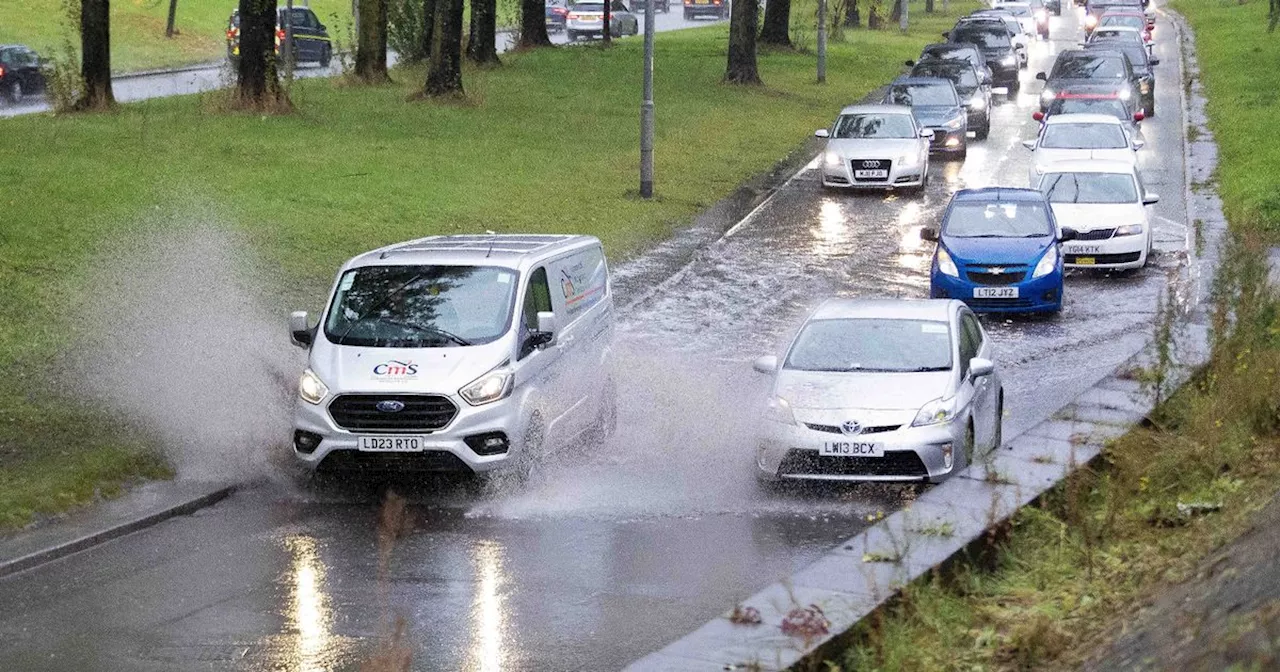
[609, 555]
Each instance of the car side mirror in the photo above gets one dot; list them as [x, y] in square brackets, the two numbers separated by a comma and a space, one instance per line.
[822, 133]
[1153, 61]
[1139, 116]
[1068, 235]
[1139, 144]
[546, 334]
[767, 364]
[1029, 144]
[299, 331]
[1150, 198]
[929, 234]
[1042, 76]
[926, 133]
[979, 367]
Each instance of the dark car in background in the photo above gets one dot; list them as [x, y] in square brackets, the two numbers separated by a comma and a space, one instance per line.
[937, 107]
[1103, 70]
[557, 14]
[948, 51]
[975, 96]
[311, 42]
[996, 47]
[20, 73]
[1144, 72]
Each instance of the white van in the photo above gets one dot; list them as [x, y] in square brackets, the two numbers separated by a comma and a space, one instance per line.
[458, 353]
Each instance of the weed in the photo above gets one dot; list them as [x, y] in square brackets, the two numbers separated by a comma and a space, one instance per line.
[943, 528]
[1198, 228]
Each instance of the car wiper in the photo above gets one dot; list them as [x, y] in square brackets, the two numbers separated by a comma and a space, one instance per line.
[923, 369]
[431, 330]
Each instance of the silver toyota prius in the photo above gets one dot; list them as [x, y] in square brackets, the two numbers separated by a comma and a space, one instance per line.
[881, 390]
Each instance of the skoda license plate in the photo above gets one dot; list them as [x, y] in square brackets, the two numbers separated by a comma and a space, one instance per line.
[851, 449]
[391, 444]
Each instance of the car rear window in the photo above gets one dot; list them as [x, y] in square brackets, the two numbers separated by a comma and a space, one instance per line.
[1083, 136]
[1108, 106]
[922, 94]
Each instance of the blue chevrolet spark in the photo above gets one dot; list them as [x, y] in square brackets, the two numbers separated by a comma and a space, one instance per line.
[998, 252]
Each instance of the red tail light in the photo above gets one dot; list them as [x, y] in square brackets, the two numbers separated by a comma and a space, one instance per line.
[231, 34]
[1139, 116]
[280, 33]
[1038, 116]
[2, 71]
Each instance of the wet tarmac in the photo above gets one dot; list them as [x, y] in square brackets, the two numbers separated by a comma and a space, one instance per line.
[612, 554]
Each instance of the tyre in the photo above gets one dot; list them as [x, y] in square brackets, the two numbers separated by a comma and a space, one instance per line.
[572, 35]
[1015, 87]
[532, 447]
[16, 94]
[1151, 105]
[999, 437]
[983, 131]
[326, 56]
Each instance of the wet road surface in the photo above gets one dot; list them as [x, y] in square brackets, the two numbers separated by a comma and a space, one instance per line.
[609, 555]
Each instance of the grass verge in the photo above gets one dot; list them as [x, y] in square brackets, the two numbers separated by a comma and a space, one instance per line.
[546, 143]
[1108, 538]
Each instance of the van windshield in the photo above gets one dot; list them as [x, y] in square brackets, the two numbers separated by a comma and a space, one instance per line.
[421, 306]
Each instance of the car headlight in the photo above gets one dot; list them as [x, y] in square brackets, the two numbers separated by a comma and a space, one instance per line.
[1129, 230]
[779, 410]
[977, 102]
[936, 412]
[832, 159]
[908, 159]
[311, 389]
[1125, 94]
[1048, 95]
[488, 388]
[1047, 264]
[1090, 21]
[946, 265]
[1009, 60]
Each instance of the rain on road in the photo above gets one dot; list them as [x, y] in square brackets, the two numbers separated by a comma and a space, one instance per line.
[613, 554]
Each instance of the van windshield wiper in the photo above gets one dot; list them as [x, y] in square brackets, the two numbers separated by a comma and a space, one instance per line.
[431, 330]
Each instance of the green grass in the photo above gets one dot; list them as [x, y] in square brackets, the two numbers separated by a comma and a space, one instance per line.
[546, 143]
[137, 29]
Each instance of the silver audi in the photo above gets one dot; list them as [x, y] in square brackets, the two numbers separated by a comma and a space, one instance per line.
[881, 390]
[876, 147]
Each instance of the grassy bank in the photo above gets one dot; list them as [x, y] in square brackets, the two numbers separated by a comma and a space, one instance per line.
[138, 39]
[1074, 568]
[546, 143]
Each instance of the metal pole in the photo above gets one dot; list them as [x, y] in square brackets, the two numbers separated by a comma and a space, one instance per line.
[822, 41]
[288, 40]
[646, 107]
[173, 15]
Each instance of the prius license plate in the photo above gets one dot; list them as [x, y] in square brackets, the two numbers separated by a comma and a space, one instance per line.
[851, 449]
[871, 174]
[391, 444]
[995, 292]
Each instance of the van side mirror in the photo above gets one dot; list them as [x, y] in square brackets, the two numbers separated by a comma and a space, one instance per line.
[929, 234]
[299, 331]
[1068, 235]
[766, 364]
[979, 367]
[822, 133]
[546, 329]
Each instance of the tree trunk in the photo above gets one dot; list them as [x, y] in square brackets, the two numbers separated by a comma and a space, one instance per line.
[444, 72]
[744, 17]
[873, 15]
[606, 24]
[482, 43]
[777, 23]
[928, 6]
[95, 61]
[896, 14]
[533, 24]
[852, 17]
[428, 26]
[371, 47]
[169, 28]
[258, 84]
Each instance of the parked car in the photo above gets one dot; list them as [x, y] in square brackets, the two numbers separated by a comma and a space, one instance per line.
[877, 147]
[1106, 203]
[311, 42]
[557, 15]
[716, 9]
[458, 353]
[1105, 70]
[997, 48]
[881, 390]
[998, 251]
[937, 107]
[20, 73]
[976, 97]
[1066, 137]
[951, 51]
[586, 19]
[1142, 65]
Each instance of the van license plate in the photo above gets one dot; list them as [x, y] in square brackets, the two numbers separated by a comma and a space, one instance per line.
[391, 444]
[995, 292]
[851, 449]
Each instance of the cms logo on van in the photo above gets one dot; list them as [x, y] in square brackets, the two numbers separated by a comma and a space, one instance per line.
[395, 369]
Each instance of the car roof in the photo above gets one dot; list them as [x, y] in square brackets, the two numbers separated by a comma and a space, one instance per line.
[876, 109]
[1089, 166]
[504, 250]
[1082, 118]
[988, 194]
[938, 310]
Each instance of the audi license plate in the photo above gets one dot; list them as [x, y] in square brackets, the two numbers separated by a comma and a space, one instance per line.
[871, 174]
[391, 444]
[851, 449]
[995, 292]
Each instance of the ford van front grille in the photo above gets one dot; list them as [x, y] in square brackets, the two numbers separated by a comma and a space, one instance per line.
[392, 412]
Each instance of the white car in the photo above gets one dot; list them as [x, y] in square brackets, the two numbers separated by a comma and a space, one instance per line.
[876, 147]
[1025, 15]
[1064, 137]
[1105, 203]
[881, 390]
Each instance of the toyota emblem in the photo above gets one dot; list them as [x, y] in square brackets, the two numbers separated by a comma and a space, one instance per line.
[870, 164]
[390, 406]
[851, 427]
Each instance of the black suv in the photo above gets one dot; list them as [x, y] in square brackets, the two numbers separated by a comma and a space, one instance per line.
[946, 51]
[975, 96]
[20, 73]
[1098, 70]
[993, 40]
[310, 39]
[1144, 72]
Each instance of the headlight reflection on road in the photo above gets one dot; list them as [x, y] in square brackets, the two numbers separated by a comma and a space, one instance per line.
[487, 610]
[831, 235]
[309, 612]
[914, 254]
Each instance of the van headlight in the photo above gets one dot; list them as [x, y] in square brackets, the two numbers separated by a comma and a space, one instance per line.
[1128, 230]
[488, 388]
[936, 412]
[779, 410]
[946, 265]
[311, 389]
[1047, 263]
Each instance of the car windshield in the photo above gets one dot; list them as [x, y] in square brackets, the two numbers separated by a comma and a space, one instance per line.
[986, 38]
[1131, 47]
[421, 306]
[922, 94]
[992, 219]
[966, 54]
[1084, 136]
[1089, 188]
[1109, 106]
[871, 344]
[868, 126]
[1088, 66]
[962, 75]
